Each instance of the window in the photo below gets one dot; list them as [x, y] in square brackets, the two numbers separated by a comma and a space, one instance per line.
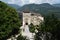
[32, 14]
[26, 23]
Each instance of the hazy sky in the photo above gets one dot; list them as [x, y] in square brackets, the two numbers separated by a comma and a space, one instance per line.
[22, 2]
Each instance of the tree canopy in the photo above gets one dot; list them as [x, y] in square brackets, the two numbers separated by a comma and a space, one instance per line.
[52, 25]
[9, 21]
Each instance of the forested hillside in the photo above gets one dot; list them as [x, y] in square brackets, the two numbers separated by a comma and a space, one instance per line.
[56, 5]
[44, 9]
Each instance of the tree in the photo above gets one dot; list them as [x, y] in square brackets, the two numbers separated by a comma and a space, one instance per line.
[9, 21]
[51, 25]
[31, 28]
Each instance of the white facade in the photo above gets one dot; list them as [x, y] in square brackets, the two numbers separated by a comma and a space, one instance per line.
[33, 18]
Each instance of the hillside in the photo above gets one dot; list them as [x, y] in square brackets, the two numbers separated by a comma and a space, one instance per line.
[57, 5]
[44, 9]
[14, 6]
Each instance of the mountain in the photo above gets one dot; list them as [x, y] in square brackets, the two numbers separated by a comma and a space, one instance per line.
[36, 6]
[14, 6]
[57, 5]
[44, 9]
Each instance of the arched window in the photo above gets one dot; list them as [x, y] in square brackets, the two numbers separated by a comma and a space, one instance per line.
[26, 23]
[32, 14]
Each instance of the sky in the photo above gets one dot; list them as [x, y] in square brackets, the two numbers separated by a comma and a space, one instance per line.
[23, 2]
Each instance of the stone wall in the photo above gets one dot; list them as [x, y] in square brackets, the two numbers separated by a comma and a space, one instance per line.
[33, 18]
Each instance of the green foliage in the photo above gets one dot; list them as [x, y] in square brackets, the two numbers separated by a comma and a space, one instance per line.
[21, 38]
[51, 25]
[32, 28]
[9, 21]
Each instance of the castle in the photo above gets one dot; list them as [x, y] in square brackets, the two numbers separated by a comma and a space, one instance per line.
[31, 17]
[28, 18]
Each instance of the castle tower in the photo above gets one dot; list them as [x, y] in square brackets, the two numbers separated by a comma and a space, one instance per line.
[26, 18]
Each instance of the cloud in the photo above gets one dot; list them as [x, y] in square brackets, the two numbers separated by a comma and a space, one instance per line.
[35, 1]
[25, 2]
[19, 2]
[22, 2]
[11, 1]
[42, 1]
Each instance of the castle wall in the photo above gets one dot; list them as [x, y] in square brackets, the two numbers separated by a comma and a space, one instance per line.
[34, 19]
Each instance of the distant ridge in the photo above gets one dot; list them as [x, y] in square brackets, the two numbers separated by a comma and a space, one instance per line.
[14, 6]
[44, 9]
[57, 5]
